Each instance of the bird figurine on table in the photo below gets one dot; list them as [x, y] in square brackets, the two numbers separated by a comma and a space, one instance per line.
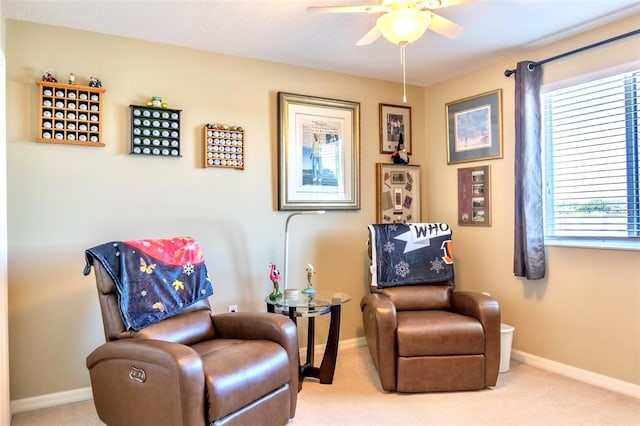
[309, 289]
[275, 277]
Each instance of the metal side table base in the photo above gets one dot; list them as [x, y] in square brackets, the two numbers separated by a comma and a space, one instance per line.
[311, 307]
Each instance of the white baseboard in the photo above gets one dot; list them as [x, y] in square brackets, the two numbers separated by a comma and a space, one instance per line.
[344, 344]
[585, 376]
[606, 382]
[50, 400]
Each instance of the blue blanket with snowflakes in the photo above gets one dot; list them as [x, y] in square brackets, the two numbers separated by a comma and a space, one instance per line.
[155, 279]
[410, 254]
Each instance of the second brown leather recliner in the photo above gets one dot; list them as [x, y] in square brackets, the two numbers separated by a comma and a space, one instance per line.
[428, 337]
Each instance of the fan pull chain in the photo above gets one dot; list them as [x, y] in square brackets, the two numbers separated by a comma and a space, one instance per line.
[404, 77]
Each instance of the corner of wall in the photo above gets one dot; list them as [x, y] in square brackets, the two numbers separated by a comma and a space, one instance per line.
[5, 410]
[2, 25]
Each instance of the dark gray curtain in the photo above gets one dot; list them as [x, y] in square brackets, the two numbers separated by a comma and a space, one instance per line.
[528, 256]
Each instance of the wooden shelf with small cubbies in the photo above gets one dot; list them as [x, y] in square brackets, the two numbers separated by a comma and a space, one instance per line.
[69, 114]
[224, 146]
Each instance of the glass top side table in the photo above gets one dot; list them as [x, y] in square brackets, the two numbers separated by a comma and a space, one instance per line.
[311, 306]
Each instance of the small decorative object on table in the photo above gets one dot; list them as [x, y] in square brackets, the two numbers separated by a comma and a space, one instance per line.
[275, 277]
[309, 288]
[400, 155]
[72, 78]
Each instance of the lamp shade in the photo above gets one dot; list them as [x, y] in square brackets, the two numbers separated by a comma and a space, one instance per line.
[403, 26]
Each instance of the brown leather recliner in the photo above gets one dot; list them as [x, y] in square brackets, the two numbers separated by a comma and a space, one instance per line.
[194, 368]
[431, 338]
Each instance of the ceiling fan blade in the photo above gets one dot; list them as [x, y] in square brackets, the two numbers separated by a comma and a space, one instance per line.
[438, 4]
[373, 8]
[445, 27]
[369, 37]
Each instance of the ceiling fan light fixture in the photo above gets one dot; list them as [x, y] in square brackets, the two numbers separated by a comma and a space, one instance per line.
[403, 26]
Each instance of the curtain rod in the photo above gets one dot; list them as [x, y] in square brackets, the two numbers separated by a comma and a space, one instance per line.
[508, 73]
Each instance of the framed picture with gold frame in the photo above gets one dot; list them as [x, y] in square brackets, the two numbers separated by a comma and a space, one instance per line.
[318, 153]
[397, 193]
[474, 128]
[474, 196]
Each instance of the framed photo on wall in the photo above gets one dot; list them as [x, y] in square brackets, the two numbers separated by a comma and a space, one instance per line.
[474, 196]
[394, 120]
[474, 128]
[397, 193]
[318, 153]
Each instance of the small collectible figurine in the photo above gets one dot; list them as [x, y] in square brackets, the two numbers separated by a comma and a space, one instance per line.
[275, 277]
[49, 77]
[94, 82]
[400, 155]
[72, 79]
[156, 102]
[309, 289]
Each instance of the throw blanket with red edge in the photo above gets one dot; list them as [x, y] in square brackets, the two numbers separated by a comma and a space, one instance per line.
[155, 278]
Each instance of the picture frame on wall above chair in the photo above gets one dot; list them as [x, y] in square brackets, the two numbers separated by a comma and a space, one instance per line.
[474, 196]
[394, 121]
[474, 128]
[398, 193]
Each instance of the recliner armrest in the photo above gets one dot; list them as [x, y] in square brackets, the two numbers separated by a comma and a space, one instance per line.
[265, 326]
[256, 325]
[131, 376]
[380, 323]
[486, 310]
[477, 305]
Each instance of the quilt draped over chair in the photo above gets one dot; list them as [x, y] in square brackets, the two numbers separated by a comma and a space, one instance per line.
[155, 279]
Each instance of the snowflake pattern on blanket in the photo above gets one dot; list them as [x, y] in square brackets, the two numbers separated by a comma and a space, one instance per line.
[155, 278]
[410, 254]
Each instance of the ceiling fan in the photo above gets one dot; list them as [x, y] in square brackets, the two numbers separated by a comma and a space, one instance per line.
[403, 21]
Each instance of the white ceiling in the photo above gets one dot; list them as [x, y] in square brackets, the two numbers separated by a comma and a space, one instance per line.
[284, 31]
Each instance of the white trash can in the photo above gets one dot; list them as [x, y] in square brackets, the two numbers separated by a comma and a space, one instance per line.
[506, 338]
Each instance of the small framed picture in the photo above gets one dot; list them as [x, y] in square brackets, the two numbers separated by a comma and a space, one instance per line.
[397, 193]
[474, 128]
[397, 177]
[394, 121]
[473, 196]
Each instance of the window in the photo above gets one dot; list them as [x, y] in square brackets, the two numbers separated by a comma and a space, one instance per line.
[591, 162]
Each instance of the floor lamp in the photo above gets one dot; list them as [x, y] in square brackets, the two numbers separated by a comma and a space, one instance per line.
[286, 242]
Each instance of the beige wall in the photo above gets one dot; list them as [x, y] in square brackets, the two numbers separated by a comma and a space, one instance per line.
[63, 199]
[586, 313]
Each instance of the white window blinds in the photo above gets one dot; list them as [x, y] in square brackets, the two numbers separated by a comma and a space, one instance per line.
[591, 162]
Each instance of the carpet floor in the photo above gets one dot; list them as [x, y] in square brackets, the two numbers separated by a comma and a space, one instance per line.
[523, 396]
